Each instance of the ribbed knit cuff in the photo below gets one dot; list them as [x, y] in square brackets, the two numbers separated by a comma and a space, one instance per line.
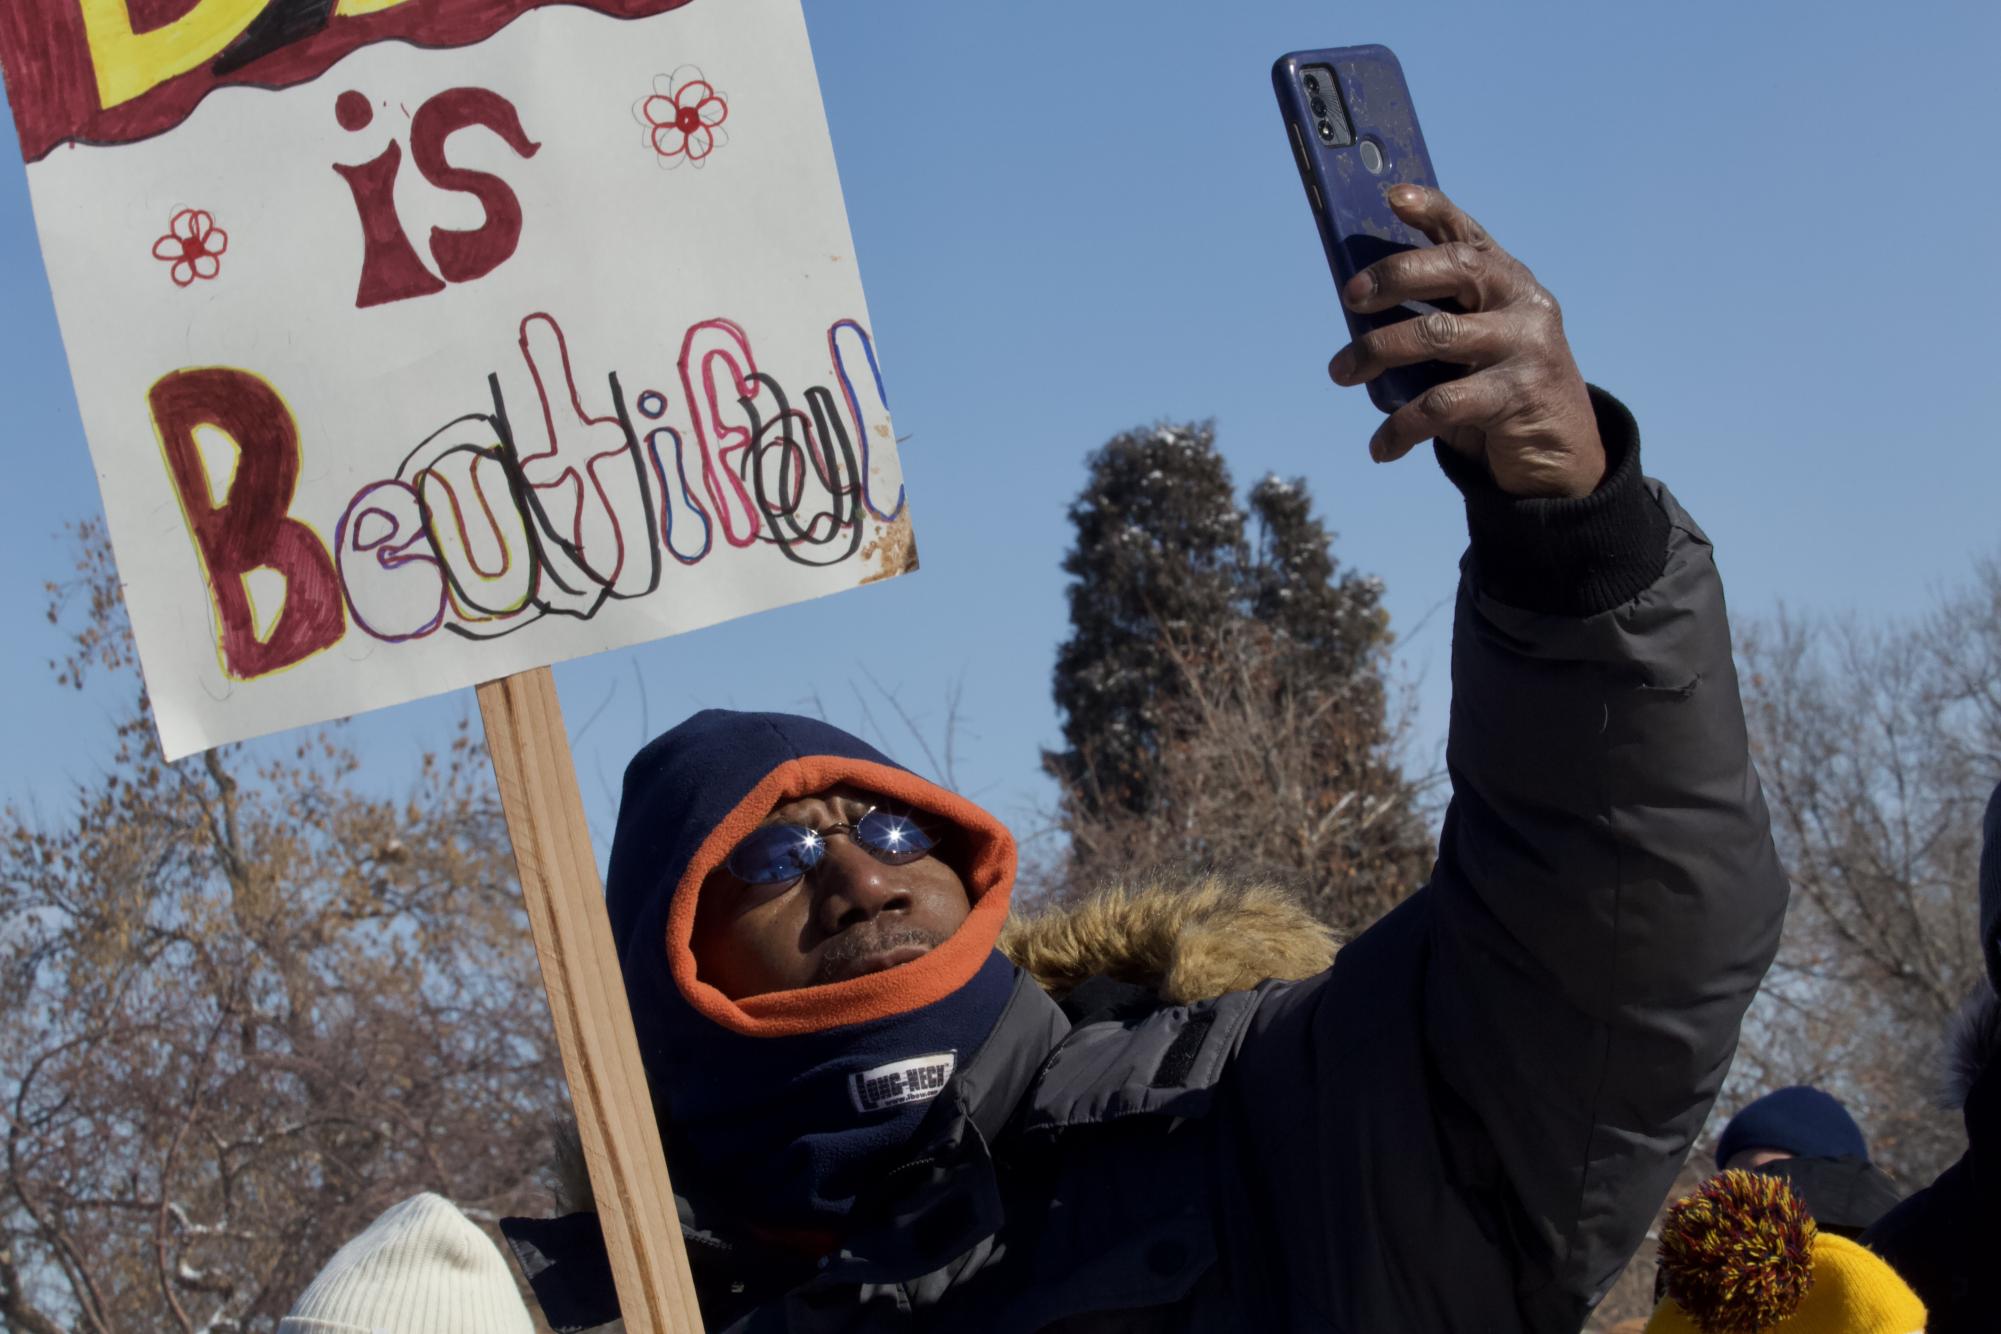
[1566, 557]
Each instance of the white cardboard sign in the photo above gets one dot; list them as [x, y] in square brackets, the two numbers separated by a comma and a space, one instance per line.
[419, 342]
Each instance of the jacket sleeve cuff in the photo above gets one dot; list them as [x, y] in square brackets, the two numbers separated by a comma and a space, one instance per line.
[1566, 557]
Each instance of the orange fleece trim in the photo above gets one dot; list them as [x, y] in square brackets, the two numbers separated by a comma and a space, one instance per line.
[989, 880]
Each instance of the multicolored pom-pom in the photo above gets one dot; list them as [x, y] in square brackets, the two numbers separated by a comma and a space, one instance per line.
[1737, 1255]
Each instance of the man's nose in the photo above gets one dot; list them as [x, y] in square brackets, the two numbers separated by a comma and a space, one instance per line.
[854, 887]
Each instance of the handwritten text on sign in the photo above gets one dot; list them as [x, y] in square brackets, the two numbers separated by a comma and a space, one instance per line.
[423, 341]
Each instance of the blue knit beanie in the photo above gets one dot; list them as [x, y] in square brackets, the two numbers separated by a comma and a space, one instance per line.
[1803, 1121]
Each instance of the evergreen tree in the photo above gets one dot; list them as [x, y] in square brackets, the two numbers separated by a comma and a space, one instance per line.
[1294, 584]
[1160, 547]
[1222, 689]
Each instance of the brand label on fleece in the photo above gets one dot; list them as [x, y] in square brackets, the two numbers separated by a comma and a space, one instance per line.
[918, 1079]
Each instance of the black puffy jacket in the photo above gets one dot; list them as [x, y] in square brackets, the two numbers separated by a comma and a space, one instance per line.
[1467, 1122]
[1943, 1238]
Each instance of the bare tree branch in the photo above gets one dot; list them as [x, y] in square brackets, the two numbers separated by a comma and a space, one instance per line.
[250, 1000]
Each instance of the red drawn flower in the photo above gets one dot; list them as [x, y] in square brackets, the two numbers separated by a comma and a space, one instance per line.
[192, 244]
[683, 117]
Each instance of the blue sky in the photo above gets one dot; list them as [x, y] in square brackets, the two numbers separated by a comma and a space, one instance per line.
[1768, 225]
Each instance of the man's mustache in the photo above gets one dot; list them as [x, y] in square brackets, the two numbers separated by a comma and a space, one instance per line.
[866, 938]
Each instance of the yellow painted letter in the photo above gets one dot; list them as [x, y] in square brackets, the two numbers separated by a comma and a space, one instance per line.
[128, 63]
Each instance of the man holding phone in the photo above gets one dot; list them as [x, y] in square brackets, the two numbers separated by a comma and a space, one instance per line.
[1531, 1043]
[879, 1122]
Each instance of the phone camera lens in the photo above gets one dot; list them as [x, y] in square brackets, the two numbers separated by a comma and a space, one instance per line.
[1326, 131]
[1312, 84]
[1319, 107]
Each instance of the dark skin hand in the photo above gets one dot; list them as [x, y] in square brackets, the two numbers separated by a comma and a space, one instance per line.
[1522, 407]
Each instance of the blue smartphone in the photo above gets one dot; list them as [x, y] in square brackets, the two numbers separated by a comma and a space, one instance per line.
[1354, 134]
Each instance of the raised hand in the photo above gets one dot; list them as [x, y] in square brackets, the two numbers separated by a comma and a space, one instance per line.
[1522, 407]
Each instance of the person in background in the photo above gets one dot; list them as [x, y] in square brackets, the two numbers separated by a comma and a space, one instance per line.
[421, 1268]
[1944, 1238]
[1807, 1136]
[1742, 1255]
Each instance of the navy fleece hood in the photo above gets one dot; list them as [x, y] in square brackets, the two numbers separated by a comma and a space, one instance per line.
[781, 1109]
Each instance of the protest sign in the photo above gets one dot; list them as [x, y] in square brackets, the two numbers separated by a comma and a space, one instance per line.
[422, 342]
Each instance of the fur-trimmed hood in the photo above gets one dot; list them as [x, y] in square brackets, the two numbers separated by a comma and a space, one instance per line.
[1973, 1044]
[1990, 887]
[1182, 943]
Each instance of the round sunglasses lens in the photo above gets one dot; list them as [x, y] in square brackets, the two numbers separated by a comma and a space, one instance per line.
[777, 854]
[893, 836]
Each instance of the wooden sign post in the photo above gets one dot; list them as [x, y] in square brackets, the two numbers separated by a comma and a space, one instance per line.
[580, 971]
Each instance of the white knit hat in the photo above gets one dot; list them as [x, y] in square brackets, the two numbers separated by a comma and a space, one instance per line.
[421, 1268]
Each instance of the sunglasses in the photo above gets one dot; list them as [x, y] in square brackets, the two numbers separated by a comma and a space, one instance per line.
[780, 853]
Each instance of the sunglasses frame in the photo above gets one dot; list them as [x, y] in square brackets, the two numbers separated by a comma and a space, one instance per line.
[816, 841]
